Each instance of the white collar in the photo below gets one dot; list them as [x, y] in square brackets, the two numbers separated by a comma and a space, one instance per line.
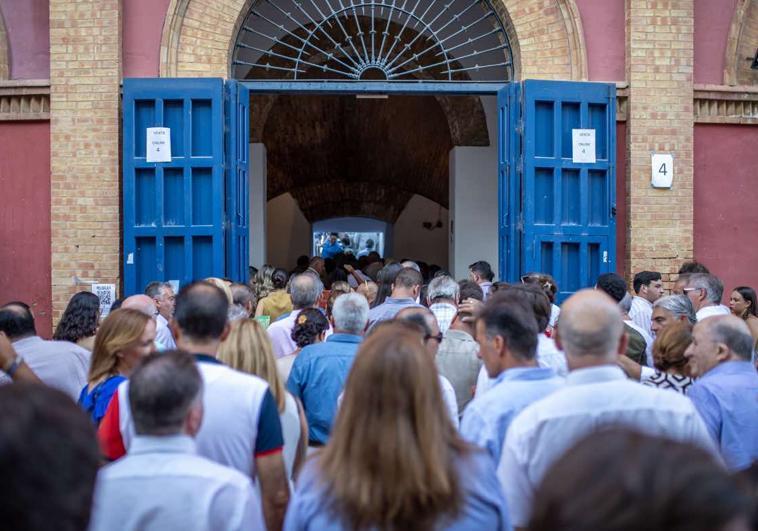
[598, 374]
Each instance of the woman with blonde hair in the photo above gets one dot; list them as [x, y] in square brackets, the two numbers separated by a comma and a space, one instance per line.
[275, 301]
[394, 461]
[248, 349]
[123, 339]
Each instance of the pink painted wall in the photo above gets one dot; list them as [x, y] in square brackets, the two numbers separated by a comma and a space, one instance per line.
[142, 27]
[712, 21]
[25, 218]
[28, 25]
[604, 35]
[726, 199]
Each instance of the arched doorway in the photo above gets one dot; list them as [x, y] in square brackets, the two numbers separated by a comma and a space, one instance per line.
[389, 157]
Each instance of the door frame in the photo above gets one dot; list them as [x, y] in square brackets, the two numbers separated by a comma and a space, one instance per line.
[508, 191]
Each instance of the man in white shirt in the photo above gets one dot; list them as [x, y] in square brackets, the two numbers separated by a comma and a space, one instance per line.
[648, 288]
[705, 292]
[59, 364]
[241, 429]
[305, 290]
[597, 395]
[424, 318]
[165, 300]
[151, 486]
[481, 273]
[146, 305]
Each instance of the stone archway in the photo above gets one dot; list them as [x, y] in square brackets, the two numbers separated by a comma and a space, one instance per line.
[546, 37]
[740, 47]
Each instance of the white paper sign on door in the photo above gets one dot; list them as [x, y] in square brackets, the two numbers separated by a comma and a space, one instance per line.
[158, 144]
[583, 141]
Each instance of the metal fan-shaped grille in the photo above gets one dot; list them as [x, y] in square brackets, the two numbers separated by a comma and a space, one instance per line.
[393, 40]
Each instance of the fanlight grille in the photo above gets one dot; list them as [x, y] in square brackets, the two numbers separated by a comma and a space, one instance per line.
[393, 40]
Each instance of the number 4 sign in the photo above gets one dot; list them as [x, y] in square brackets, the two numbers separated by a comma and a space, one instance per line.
[662, 170]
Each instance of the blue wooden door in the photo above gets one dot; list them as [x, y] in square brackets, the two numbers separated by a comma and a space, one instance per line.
[568, 208]
[173, 211]
[237, 171]
[509, 199]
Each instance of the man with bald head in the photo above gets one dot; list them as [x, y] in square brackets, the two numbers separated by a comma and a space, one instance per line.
[146, 305]
[726, 391]
[597, 395]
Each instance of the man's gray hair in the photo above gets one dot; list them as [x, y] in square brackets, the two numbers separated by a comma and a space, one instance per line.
[153, 290]
[162, 390]
[305, 290]
[678, 305]
[714, 289]
[626, 303]
[412, 265]
[350, 313]
[734, 333]
[242, 294]
[443, 287]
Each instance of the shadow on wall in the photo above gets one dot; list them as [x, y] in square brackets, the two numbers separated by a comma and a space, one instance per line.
[288, 232]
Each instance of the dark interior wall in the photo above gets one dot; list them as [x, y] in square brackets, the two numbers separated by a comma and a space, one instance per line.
[726, 202]
[25, 218]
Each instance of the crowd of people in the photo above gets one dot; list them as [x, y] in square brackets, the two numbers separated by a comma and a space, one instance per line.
[356, 392]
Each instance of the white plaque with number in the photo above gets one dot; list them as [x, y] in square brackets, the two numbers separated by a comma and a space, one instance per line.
[662, 170]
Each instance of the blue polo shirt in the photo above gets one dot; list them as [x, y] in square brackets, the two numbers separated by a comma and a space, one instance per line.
[330, 250]
[318, 377]
[486, 419]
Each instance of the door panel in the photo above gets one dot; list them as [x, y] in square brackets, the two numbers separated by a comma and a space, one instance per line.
[173, 211]
[237, 184]
[568, 209]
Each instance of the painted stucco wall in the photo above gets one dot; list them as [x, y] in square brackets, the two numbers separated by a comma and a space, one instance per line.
[712, 21]
[27, 23]
[288, 232]
[726, 202]
[25, 218]
[411, 240]
[604, 26]
[142, 28]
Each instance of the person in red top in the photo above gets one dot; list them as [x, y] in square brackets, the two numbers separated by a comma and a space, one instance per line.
[241, 427]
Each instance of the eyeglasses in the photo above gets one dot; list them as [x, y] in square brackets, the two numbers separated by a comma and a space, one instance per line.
[438, 337]
[687, 290]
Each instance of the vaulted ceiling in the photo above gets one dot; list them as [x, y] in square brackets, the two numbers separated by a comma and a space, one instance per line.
[346, 156]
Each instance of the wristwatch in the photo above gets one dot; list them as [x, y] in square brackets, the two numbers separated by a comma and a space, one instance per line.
[11, 368]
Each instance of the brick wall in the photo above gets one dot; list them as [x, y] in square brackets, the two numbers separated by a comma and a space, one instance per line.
[85, 48]
[659, 58]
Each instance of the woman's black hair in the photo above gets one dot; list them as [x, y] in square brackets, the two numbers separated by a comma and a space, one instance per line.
[748, 294]
[279, 278]
[80, 318]
[309, 324]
